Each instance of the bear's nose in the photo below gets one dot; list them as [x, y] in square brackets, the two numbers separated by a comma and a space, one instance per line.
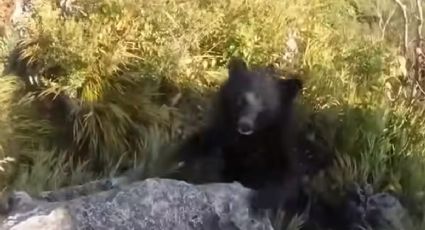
[245, 128]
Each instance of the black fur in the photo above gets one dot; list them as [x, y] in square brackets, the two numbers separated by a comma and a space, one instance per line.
[249, 137]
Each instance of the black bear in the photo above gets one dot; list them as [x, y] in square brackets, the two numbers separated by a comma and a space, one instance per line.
[250, 135]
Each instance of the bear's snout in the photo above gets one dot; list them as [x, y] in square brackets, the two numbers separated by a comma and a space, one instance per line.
[245, 127]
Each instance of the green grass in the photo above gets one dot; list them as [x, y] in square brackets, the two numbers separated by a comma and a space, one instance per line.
[125, 60]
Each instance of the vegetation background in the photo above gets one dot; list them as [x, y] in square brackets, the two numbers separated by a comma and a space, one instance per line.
[139, 74]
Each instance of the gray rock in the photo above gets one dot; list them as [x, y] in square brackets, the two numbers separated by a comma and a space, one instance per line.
[380, 211]
[149, 204]
[384, 211]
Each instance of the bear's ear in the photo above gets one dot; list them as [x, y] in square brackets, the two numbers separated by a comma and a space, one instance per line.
[290, 88]
[236, 67]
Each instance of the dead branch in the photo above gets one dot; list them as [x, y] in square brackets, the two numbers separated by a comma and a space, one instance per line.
[383, 23]
[419, 55]
[387, 22]
[406, 25]
[420, 22]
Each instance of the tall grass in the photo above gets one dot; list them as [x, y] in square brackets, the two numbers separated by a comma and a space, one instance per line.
[124, 60]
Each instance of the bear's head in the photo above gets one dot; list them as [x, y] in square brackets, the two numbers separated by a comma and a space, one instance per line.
[254, 99]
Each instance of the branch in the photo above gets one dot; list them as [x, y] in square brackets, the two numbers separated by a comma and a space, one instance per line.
[381, 17]
[387, 22]
[406, 24]
[420, 22]
[383, 24]
[419, 55]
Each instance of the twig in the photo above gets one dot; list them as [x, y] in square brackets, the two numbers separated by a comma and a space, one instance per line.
[420, 22]
[387, 21]
[406, 24]
[418, 50]
[384, 23]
